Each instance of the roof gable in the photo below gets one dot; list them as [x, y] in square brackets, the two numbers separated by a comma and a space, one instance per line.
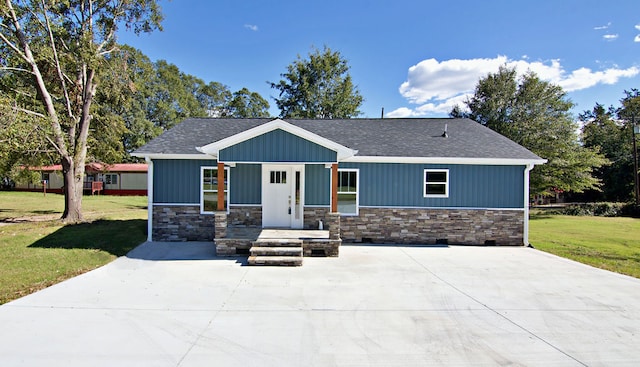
[217, 147]
[277, 146]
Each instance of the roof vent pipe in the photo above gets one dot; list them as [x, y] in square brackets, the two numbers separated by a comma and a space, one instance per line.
[445, 134]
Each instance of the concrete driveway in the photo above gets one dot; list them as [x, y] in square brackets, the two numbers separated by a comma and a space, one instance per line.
[178, 305]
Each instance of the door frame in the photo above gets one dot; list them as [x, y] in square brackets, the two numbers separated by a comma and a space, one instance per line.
[296, 209]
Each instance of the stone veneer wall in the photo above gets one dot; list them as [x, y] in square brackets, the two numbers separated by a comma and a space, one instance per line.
[313, 214]
[182, 223]
[251, 216]
[245, 216]
[456, 226]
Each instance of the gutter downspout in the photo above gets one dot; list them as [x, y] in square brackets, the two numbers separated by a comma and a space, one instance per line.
[525, 234]
[149, 199]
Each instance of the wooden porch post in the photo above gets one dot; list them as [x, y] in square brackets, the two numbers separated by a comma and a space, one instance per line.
[221, 186]
[334, 188]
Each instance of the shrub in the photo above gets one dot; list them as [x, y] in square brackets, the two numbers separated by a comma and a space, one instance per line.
[603, 209]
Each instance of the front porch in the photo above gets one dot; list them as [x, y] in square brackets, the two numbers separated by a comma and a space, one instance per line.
[280, 246]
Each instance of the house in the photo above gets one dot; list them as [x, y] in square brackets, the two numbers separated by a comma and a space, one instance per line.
[114, 179]
[366, 180]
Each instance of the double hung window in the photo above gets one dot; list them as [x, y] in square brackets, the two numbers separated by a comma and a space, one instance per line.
[436, 183]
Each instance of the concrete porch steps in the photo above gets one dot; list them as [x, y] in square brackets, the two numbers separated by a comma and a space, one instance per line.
[276, 260]
[276, 252]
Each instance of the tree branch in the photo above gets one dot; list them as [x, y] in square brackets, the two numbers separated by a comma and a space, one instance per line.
[13, 47]
[57, 60]
[16, 69]
[46, 97]
[29, 112]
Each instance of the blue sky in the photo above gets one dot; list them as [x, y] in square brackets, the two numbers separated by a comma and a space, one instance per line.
[412, 58]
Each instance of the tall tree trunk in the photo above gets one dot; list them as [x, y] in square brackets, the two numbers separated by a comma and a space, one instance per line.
[74, 176]
[73, 187]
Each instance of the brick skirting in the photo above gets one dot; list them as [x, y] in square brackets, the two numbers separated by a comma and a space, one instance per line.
[428, 226]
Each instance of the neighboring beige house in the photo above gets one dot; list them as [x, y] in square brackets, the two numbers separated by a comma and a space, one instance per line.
[115, 179]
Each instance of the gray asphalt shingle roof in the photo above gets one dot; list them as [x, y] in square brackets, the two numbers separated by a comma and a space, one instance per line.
[370, 137]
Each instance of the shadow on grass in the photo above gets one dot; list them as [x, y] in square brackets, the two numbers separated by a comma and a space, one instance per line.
[116, 237]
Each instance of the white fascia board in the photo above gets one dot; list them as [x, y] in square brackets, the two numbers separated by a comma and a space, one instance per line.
[446, 160]
[172, 156]
[214, 148]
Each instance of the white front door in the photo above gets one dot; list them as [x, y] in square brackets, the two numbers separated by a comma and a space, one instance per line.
[282, 191]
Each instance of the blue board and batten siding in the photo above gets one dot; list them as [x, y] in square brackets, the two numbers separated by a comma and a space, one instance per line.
[317, 185]
[381, 184]
[277, 146]
[470, 186]
[178, 182]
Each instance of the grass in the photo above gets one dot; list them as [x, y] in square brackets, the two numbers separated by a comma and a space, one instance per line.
[37, 250]
[608, 243]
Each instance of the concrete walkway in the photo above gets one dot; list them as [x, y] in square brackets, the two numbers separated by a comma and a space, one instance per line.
[178, 305]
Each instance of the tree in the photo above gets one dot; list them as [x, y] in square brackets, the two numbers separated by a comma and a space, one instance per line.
[248, 104]
[214, 98]
[630, 112]
[146, 98]
[602, 130]
[128, 95]
[56, 51]
[21, 143]
[174, 96]
[318, 87]
[535, 114]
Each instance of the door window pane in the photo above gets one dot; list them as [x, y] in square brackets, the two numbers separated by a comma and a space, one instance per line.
[278, 177]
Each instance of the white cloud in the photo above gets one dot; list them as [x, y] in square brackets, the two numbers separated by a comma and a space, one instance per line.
[602, 26]
[402, 112]
[436, 86]
[637, 39]
[610, 37]
[251, 27]
[638, 27]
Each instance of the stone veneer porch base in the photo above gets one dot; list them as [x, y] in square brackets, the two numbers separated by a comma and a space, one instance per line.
[310, 247]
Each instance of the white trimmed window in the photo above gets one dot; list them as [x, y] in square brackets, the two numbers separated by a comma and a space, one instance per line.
[111, 178]
[348, 191]
[209, 189]
[436, 183]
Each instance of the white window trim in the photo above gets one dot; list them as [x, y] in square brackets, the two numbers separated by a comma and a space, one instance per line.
[110, 179]
[228, 171]
[446, 183]
[357, 171]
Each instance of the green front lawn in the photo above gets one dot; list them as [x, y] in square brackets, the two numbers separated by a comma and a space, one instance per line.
[37, 250]
[607, 243]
